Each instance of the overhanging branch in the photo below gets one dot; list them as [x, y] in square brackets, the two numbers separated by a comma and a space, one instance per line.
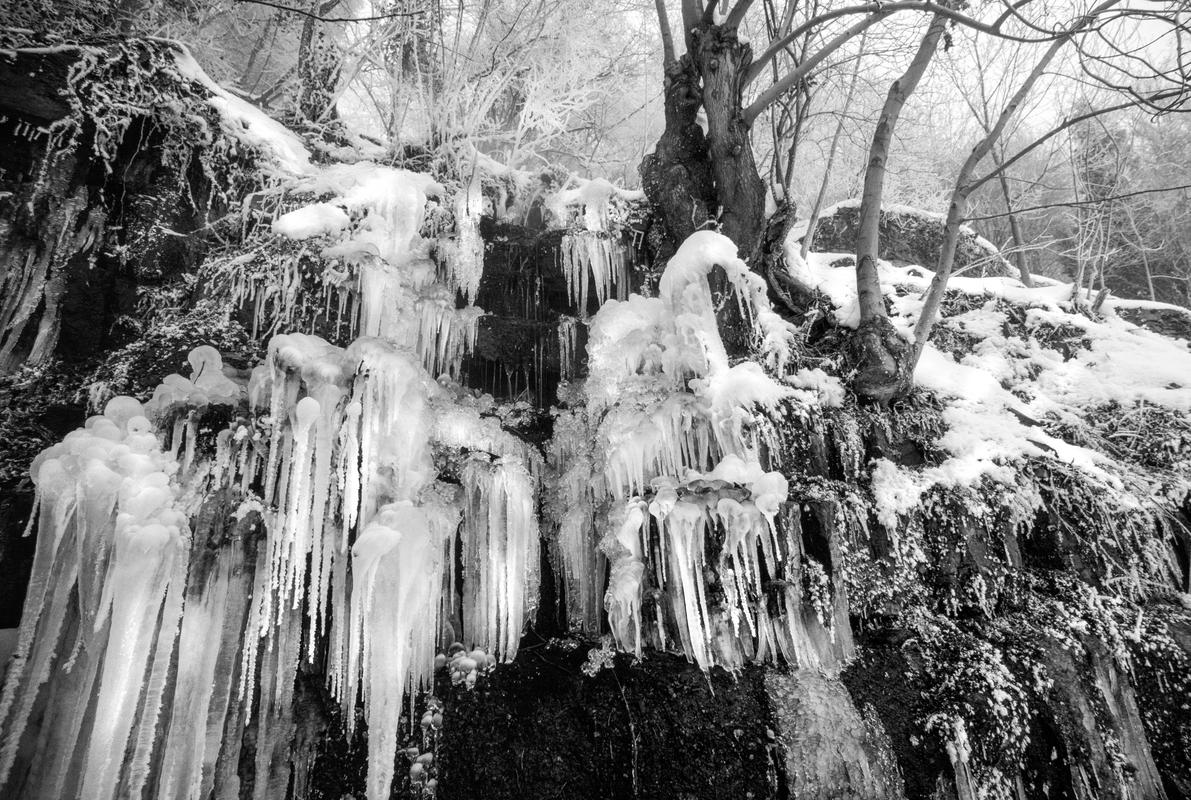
[320, 18]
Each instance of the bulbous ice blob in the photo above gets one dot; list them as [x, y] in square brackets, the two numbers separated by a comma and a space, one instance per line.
[121, 409]
[50, 476]
[305, 413]
[148, 538]
[204, 361]
[106, 428]
[770, 490]
[145, 500]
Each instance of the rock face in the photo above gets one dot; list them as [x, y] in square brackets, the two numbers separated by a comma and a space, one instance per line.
[908, 236]
[1168, 320]
[961, 650]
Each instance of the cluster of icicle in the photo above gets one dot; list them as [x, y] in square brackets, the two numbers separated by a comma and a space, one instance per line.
[591, 254]
[371, 226]
[355, 568]
[668, 449]
[103, 608]
[352, 437]
[182, 400]
[593, 258]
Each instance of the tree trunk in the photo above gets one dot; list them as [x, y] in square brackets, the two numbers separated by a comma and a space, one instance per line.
[691, 178]
[1019, 240]
[722, 60]
[879, 352]
[677, 176]
[318, 70]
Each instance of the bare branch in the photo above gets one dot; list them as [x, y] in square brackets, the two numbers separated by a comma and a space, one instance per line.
[736, 15]
[802, 70]
[315, 16]
[975, 183]
[1078, 203]
[667, 35]
[692, 14]
[881, 10]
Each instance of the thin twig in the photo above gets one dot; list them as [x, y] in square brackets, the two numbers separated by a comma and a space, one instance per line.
[1077, 203]
[312, 15]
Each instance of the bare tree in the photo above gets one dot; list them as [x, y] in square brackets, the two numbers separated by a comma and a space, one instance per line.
[1170, 95]
[695, 179]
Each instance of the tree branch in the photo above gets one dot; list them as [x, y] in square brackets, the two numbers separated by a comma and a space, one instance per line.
[1078, 203]
[779, 88]
[692, 14]
[976, 183]
[667, 35]
[736, 15]
[320, 18]
[880, 10]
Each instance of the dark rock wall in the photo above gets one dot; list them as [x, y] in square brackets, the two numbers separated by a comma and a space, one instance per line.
[909, 238]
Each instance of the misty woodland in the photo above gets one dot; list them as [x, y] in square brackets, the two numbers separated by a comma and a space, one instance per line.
[533, 399]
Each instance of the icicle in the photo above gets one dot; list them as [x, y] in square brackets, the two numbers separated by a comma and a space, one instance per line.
[500, 553]
[445, 334]
[684, 534]
[591, 258]
[465, 256]
[567, 337]
[623, 601]
[397, 564]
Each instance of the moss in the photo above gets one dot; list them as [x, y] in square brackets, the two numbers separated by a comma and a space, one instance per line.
[139, 367]
[657, 728]
[1160, 649]
[910, 238]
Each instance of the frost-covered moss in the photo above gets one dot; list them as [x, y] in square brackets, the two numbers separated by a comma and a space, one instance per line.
[37, 406]
[1159, 644]
[138, 368]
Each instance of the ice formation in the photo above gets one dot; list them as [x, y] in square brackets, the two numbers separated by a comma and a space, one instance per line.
[356, 453]
[677, 453]
[464, 254]
[592, 258]
[567, 345]
[333, 458]
[366, 236]
[358, 530]
[206, 386]
[592, 254]
[397, 565]
[104, 604]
